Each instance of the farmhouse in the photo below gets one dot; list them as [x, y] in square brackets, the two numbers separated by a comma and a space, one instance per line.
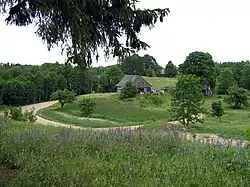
[141, 84]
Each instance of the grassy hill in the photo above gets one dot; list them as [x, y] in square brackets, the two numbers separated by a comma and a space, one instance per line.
[115, 112]
[160, 82]
[110, 112]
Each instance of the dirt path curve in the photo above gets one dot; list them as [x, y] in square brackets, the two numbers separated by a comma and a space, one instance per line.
[204, 138]
[43, 121]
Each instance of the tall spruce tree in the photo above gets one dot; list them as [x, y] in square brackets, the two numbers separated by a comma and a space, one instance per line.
[82, 26]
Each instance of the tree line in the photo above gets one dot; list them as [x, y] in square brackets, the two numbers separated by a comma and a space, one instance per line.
[26, 84]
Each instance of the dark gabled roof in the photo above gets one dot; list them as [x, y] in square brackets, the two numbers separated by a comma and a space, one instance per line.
[134, 79]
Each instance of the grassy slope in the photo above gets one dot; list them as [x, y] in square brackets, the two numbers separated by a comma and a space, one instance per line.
[47, 156]
[234, 123]
[161, 82]
[109, 107]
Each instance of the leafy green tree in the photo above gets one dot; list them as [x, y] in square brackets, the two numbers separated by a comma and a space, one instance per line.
[2, 90]
[200, 64]
[225, 81]
[61, 82]
[151, 63]
[87, 106]
[237, 97]
[110, 77]
[170, 70]
[217, 109]
[133, 65]
[245, 79]
[237, 70]
[150, 72]
[128, 91]
[63, 96]
[29, 92]
[187, 99]
[83, 26]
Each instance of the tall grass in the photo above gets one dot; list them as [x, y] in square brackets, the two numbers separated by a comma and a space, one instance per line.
[32, 155]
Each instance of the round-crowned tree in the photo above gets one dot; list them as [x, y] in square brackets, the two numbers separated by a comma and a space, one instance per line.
[200, 64]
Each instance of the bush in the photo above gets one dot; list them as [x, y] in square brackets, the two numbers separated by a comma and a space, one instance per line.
[16, 114]
[217, 109]
[151, 99]
[237, 97]
[128, 91]
[30, 116]
[87, 106]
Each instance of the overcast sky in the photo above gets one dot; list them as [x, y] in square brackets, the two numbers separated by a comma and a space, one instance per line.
[220, 27]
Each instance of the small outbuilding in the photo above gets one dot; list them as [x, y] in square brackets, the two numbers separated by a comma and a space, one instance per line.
[141, 84]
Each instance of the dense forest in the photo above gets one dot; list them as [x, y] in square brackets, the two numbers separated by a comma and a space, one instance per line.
[26, 84]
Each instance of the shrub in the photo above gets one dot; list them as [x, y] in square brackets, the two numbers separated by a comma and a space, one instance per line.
[128, 91]
[157, 99]
[237, 97]
[30, 116]
[151, 99]
[16, 114]
[217, 109]
[87, 106]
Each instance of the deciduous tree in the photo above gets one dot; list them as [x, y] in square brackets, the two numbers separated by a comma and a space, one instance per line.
[187, 99]
[225, 81]
[237, 97]
[245, 79]
[63, 96]
[110, 77]
[133, 65]
[170, 70]
[200, 64]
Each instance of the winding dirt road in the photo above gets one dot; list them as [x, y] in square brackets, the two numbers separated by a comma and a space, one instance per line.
[43, 121]
[204, 138]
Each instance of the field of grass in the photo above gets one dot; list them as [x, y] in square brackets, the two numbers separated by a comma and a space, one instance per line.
[161, 82]
[33, 155]
[60, 117]
[110, 108]
[234, 123]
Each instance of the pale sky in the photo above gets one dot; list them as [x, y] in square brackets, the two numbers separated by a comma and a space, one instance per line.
[220, 27]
